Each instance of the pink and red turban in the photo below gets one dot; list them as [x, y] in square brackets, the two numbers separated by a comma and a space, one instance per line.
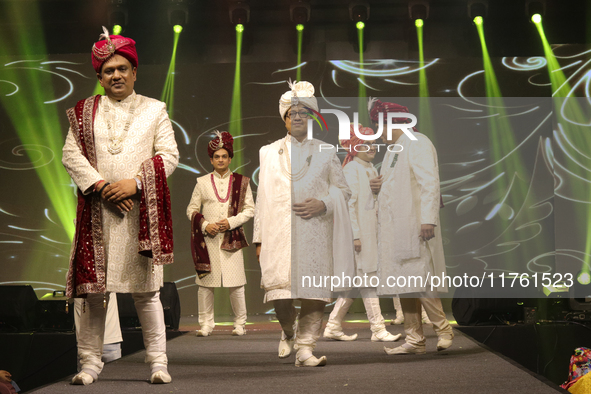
[222, 140]
[375, 107]
[353, 141]
[113, 45]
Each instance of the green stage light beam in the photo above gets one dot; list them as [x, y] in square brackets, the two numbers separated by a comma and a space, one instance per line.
[168, 91]
[98, 89]
[502, 141]
[36, 122]
[425, 124]
[579, 136]
[362, 94]
[300, 30]
[235, 127]
[117, 29]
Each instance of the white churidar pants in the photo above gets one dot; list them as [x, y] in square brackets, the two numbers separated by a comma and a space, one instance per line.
[372, 309]
[413, 325]
[92, 330]
[309, 326]
[205, 302]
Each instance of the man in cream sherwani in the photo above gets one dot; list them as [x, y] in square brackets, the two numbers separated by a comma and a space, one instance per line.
[212, 198]
[359, 171]
[409, 231]
[119, 150]
[301, 225]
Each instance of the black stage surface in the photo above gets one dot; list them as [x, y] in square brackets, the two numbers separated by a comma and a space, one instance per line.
[222, 364]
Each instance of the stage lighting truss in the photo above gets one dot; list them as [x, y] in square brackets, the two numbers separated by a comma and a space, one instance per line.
[239, 12]
[299, 12]
[359, 11]
[418, 9]
[118, 14]
[533, 7]
[477, 8]
[178, 12]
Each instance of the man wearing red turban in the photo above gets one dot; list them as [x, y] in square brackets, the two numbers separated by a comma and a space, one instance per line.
[409, 232]
[119, 151]
[220, 205]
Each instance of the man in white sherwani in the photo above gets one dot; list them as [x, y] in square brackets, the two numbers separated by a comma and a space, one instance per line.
[119, 150]
[363, 208]
[213, 199]
[409, 231]
[301, 210]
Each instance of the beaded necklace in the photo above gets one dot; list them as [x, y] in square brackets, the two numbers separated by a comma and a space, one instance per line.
[215, 189]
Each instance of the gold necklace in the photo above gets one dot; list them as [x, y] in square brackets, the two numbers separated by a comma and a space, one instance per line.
[286, 163]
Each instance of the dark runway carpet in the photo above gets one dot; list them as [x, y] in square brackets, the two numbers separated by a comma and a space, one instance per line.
[249, 364]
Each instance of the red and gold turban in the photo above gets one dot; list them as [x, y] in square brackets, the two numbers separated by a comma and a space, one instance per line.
[113, 45]
[222, 140]
[375, 107]
[353, 141]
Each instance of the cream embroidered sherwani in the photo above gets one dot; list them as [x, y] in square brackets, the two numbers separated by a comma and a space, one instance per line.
[363, 210]
[312, 242]
[408, 198]
[227, 268]
[150, 134]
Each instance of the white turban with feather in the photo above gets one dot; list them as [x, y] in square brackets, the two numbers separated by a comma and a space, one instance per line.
[300, 93]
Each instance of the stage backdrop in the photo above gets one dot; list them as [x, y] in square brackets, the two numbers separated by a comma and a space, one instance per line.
[501, 190]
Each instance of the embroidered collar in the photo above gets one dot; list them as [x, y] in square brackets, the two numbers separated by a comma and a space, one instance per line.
[290, 139]
[126, 102]
[226, 174]
[363, 162]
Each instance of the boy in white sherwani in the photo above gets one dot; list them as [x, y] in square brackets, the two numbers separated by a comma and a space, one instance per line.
[359, 171]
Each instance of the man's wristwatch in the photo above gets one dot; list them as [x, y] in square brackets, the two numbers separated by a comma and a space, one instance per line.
[138, 183]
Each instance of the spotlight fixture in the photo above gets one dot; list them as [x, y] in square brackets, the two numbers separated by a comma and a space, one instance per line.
[239, 13]
[535, 8]
[118, 13]
[178, 12]
[580, 292]
[418, 9]
[477, 8]
[299, 12]
[359, 11]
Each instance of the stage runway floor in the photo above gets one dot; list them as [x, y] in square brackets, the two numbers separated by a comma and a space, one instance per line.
[222, 363]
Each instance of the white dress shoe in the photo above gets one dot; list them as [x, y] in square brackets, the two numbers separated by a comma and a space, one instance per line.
[384, 336]
[82, 378]
[204, 332]
[399, 320]
[444, 343]
[338, 335]
[160, 377]
[285, 347]
[238, 331]
[311, 362]
[405, 349]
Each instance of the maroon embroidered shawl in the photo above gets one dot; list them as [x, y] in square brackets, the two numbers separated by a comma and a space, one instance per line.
[155, 236]
[235, 239]
[87, 257]
[198, 248]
